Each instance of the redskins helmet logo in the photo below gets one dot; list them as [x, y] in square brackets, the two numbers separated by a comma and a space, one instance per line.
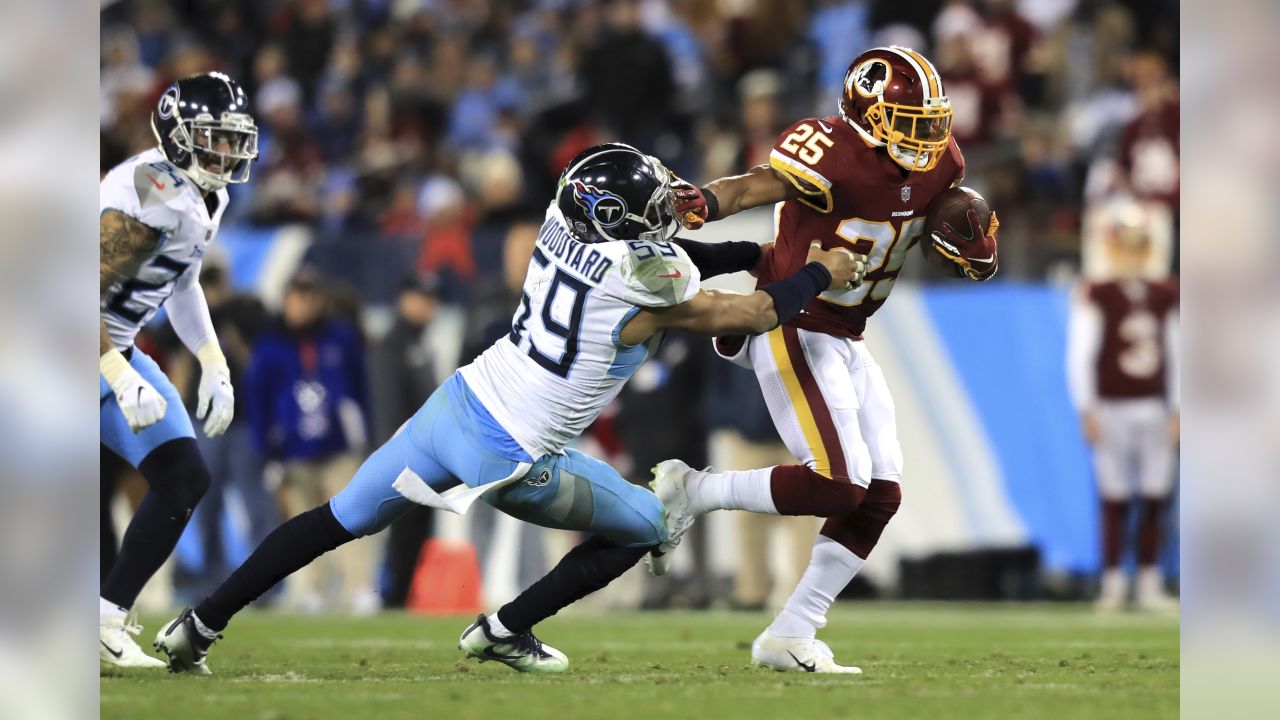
[871, 78]
[168, 103]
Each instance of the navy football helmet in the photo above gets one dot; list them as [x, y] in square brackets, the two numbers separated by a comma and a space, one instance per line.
[615, 192]
[204, 128]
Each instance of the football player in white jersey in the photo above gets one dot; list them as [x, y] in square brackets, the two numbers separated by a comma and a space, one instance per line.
[605, 281]
[158, 212]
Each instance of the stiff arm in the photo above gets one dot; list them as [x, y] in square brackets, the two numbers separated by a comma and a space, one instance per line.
[761, 185]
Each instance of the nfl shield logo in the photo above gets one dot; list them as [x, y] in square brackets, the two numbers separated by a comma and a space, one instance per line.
[906, 194]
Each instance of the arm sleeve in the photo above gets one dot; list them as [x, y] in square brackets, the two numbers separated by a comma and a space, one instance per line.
[1084, 337]
[189, 312]
[721, 258]
[792, 294]
[1172, 331]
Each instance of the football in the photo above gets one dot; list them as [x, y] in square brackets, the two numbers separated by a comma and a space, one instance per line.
[951, 208]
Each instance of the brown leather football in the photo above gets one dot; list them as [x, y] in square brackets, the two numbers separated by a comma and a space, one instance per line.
[952, 207]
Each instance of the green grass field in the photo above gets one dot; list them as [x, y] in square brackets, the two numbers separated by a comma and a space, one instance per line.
[919, 661]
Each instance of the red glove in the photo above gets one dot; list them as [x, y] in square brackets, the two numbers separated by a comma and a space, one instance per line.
[973, 251]
[690, 205]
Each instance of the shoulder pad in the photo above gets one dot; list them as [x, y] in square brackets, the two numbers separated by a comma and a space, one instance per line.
[658, 274]
[805, 154]
[162, 199]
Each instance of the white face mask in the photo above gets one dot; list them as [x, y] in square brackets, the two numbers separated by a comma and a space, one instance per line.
[222, 152]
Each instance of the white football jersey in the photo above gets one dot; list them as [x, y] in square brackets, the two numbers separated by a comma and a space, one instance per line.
[151, 190]
[563, 361]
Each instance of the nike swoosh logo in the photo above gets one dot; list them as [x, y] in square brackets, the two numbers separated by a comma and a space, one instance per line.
[824, 127]
[489, 653]
[811, 667]
[985, 259]
[159, 185]
[673, 275]
[114, 653]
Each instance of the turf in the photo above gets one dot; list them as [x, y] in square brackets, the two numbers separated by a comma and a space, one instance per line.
[920, 661]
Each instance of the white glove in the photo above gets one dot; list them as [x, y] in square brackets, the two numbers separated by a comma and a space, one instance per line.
[214, 398]
[138, 400]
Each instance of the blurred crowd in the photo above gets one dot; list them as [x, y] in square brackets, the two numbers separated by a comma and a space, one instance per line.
[419, 141]
[445, 122]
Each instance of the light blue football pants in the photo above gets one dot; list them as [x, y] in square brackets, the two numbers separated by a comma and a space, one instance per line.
[113, 429]
[450, 440]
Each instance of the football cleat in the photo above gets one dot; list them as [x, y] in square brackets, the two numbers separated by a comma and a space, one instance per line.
[116, 645]
[670, 484]
[1149, 594]
[786, 654]
[523, 652]
[185, 645]
[1111, 592]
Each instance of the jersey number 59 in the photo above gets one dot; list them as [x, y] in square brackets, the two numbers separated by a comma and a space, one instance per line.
[566, 332]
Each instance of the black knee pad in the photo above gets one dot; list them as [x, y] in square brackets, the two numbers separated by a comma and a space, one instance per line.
[177, 474]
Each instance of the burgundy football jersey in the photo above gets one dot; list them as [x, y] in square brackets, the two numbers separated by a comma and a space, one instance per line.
[1131, 359]
[856, 198]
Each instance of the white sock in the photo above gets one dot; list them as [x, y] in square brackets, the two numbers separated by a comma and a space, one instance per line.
[831, 567]
[497, 629]
[109, 611]
[749, 490]
[204, 629]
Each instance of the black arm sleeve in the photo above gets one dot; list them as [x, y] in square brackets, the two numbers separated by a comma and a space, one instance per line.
[791, 295]
[720, 258]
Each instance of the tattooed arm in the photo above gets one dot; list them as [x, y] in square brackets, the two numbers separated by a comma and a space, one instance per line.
[123, 244]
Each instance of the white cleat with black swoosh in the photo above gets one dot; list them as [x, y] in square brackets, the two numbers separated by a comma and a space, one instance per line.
[116, 645]
[787, 654]
[523, 652]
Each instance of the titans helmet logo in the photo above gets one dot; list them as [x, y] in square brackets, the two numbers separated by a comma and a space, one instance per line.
[168, 103]
[601, 205]
[871, 78]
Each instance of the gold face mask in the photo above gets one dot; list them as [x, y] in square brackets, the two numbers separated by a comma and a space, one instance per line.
[920, 134]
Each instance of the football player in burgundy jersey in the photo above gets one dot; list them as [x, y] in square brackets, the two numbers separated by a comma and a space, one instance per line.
[860, 179]
[1122, 372]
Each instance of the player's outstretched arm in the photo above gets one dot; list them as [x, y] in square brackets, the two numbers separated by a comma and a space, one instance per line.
[761, 185]
[714, 313]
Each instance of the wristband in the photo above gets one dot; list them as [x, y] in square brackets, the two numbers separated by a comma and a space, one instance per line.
[114, 368]
[791, 295]
[210, 355]
[713, 203]
[720, 258]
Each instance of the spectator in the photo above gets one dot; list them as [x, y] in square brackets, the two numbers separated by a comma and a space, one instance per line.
[628, 77]
[761, 123]
[655, 423]
[742, 433]
[403, 377]
[1149, 144]
[235, 464]
[305, 393]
